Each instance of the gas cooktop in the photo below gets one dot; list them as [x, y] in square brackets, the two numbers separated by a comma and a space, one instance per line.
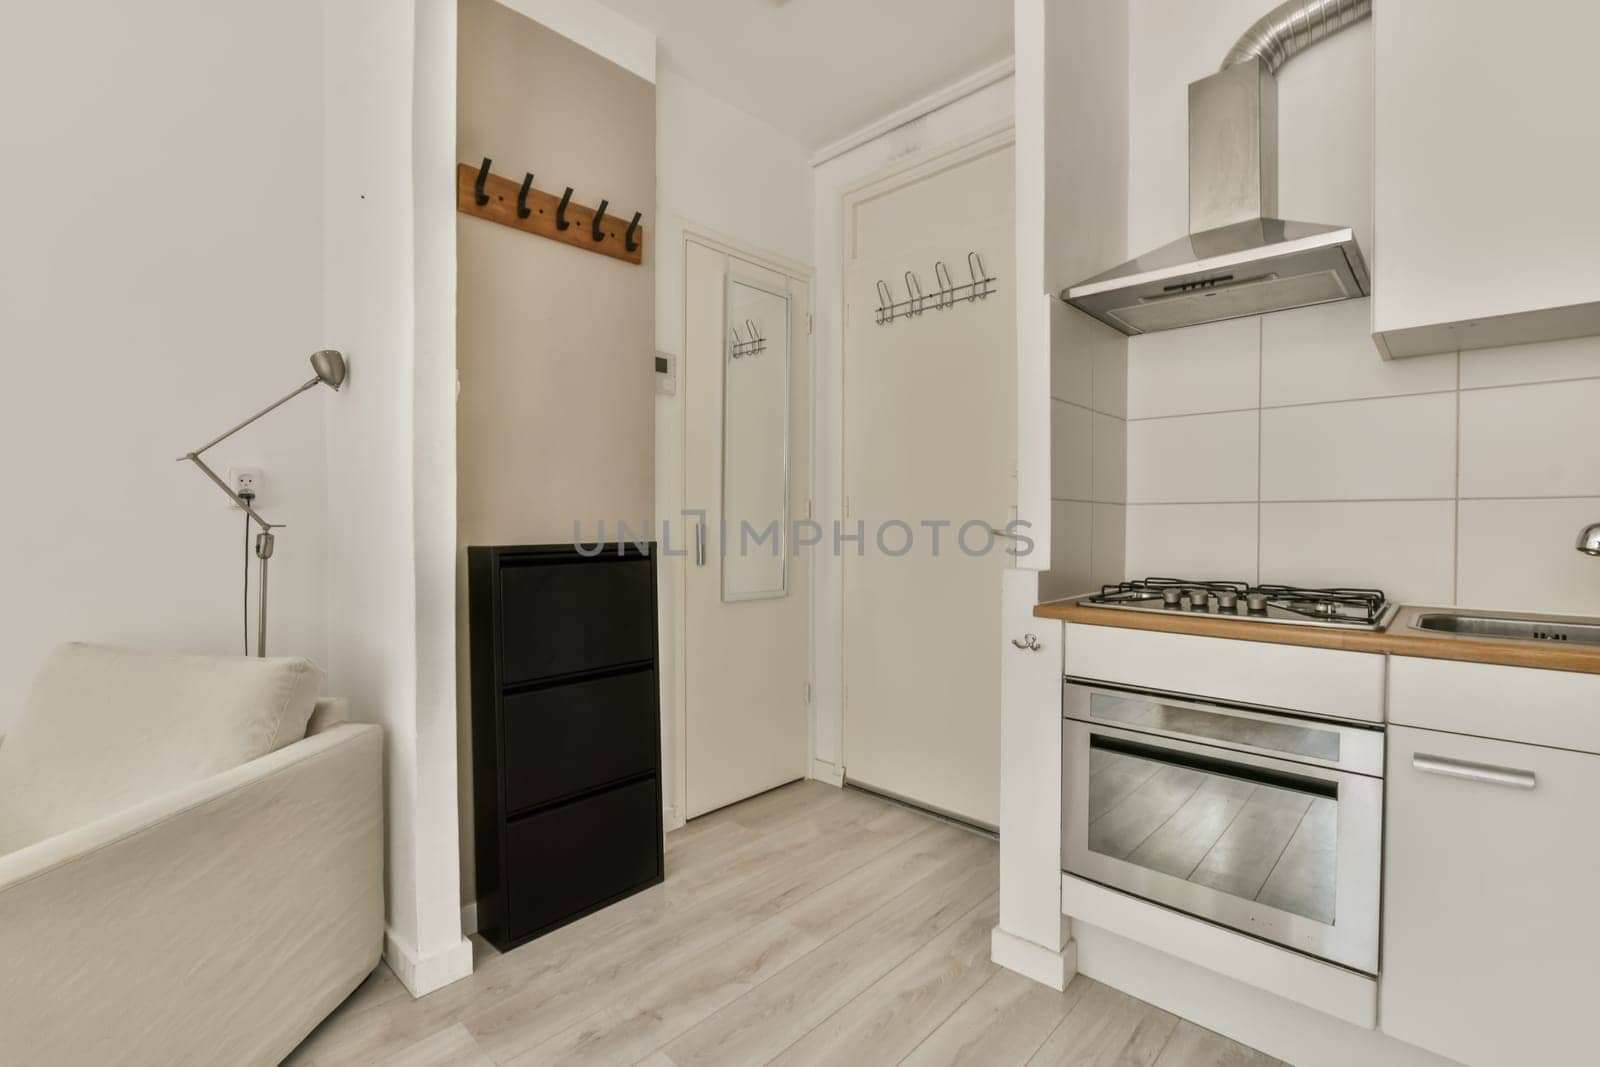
[1350, 609]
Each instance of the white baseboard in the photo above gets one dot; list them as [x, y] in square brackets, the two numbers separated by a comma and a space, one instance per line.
[423, 976]
[1332, 990]
[826, 772]
[1054, 969]
[469, 919]
[1279, 1027]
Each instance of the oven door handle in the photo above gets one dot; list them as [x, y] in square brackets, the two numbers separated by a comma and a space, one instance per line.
[1360, 747]
[1485, 773]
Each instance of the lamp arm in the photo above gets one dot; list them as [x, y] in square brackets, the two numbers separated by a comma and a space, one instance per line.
[239, 501]
[275, 405]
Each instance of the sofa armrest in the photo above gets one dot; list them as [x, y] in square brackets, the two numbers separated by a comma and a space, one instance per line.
[218, 924]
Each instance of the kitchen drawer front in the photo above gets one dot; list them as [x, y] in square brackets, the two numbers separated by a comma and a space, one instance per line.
[569, 860]
[1321, 681]
[1490, 937]
[575, 615]
[1556, 708]
[568, 738]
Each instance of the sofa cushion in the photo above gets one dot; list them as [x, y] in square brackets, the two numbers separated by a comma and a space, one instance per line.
[104, 729]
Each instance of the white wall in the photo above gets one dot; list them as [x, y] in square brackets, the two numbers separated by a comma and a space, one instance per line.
[718, 168]
[1282, 447]
[389, 253]
[161, 278]
[962, 120]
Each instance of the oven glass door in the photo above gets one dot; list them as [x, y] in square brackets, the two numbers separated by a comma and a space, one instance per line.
[1278, 849]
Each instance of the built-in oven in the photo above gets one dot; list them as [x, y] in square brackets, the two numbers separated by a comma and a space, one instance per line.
[1262, 820]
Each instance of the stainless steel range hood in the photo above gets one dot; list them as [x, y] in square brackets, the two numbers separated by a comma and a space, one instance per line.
[1239, 258]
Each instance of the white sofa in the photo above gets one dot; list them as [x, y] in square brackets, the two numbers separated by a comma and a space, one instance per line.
[191, 860]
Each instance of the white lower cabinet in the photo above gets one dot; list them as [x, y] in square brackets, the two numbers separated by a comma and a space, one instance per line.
[1491, 946]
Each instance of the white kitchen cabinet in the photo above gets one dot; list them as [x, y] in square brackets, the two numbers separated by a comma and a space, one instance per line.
[1491, 950]
[1486, 166]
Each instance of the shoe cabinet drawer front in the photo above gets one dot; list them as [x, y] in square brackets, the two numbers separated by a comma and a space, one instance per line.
[566, 861]
[570, 616]
[566, 739]
[1321, 681]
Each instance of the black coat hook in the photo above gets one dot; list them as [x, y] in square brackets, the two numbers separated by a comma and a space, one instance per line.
[483, 172]
[561, 211]
[633, 228]
[523, 210]
[594, 230]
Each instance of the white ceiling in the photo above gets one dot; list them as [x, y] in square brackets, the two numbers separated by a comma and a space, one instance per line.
[819, 70]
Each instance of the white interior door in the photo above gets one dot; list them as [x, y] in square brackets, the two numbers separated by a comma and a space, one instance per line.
[930, 438]
[746, 381]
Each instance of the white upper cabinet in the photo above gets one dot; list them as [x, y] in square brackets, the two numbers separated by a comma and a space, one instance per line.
[1487, 174]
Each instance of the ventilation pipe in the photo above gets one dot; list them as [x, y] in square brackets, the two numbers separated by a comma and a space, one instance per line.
[1291, 28]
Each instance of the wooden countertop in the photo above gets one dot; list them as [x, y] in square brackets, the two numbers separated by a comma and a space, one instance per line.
[1399, 639]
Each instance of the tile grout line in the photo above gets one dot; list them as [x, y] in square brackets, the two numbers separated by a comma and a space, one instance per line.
[1455, 532]
[1455, 389]
[1338, 500]
[1261, 425]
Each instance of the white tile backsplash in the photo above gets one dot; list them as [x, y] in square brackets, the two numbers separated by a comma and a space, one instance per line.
[1110, 371]
[1394, 448]
[1325, 353]
[1518, 554]
[1109, 543]
[1110, 460]
[1071, 354]
[1216, 367]
[1530, 440]
[1071, 551]
[1193, 458]
[1404, 547]
[1215, 541]
[1071, 452]
[1519, 364]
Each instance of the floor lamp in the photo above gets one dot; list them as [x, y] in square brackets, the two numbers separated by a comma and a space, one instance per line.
[330, 371]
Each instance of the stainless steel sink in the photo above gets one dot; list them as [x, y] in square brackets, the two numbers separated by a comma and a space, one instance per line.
[1511, 627]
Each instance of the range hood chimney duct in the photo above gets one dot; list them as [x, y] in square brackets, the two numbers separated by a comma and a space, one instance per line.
[1291, 28]
[1239, 258]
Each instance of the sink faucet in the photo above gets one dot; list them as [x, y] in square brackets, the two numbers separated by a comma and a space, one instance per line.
[1589, 539]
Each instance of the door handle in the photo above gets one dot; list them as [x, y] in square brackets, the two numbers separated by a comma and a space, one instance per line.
[1027, 642]
[700, 544]
[1486, 773]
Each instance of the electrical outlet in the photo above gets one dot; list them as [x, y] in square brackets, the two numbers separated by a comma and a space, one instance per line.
[244, 480]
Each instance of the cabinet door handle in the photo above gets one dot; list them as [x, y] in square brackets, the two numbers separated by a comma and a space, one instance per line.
[1027, 642]
[1486, 773]
[700, 545]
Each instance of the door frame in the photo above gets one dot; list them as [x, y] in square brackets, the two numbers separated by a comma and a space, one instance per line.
[895, 177]
[678, 565]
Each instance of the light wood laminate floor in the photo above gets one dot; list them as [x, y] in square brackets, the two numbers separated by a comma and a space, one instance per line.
[809, 925]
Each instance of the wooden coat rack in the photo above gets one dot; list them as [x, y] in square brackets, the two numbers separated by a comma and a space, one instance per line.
[522, 207]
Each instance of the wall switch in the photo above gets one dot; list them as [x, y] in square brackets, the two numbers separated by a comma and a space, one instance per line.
[244, 480]
[666, 374]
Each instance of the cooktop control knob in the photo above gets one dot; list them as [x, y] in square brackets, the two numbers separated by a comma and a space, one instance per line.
[1227, 600]
[1257, 602]
[1170, 597]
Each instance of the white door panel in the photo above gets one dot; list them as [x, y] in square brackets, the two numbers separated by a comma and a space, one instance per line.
[746, 661]
[929, 437]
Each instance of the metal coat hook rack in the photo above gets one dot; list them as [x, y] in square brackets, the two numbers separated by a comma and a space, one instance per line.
[752, 345]
[518, 204]
[948, 293]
